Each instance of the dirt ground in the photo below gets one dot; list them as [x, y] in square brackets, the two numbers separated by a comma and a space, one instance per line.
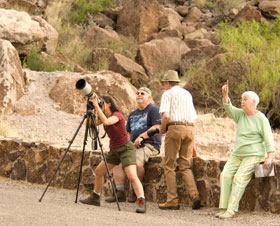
[19, 205]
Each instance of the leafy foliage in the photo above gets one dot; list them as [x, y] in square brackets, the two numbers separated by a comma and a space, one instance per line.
[251, 62]
[85, 7]
[259, 45]
[36, 63]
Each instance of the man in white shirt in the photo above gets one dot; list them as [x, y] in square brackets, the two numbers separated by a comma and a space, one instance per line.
[178, 117]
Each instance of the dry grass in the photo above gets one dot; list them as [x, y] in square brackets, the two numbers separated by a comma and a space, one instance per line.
[57, 11]
[71, 45]
[127, 47]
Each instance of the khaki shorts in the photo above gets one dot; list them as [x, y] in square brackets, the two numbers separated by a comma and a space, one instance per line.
[124, 154]
[144, 153]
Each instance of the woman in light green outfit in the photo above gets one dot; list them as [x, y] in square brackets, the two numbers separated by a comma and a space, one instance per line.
[253, 144]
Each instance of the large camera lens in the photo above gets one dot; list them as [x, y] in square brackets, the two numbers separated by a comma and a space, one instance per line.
[84, 87]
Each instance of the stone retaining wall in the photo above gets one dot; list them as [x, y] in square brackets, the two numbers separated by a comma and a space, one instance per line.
[36, 162]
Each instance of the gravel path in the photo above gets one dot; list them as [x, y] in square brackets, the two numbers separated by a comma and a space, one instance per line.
[19, 205]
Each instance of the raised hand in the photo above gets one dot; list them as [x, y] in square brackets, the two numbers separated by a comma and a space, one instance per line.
[225, 89]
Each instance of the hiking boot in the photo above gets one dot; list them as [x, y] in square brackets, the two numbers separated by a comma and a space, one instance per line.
[131, 197]
[121, 197]
[141, 205]
[174, 205]
[93, 199]
[196, 203]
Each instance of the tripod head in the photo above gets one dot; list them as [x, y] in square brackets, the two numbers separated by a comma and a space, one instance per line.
[89, 105]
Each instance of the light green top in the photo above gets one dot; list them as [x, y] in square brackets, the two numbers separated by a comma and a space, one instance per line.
[253, 135]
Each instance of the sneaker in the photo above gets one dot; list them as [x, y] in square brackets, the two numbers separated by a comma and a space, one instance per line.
[141, 205]
[121, 197]
[220, 213]
[196, 203]
[174, 205]
[227, 214]
[93, 199]
[132, 197]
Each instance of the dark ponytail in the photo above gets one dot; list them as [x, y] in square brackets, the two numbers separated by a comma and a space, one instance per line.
[109, 100]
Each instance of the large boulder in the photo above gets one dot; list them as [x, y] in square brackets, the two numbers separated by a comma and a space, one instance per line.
[26, 32]
[102, 57]
[50, 35]
[249, 13]
[11, 77]
[106, 58]
[100, 36]
[197, 56]
[169, 19]
[183, 10]
[102, 83]
[160, 55]
[29, 6]
[271, 9]
[139, 19]
[102, 20]
[194, 15]
[166, 34]
[129, 69]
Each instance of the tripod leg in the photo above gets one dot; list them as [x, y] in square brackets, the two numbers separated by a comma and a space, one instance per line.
[106, 164]
[82, 160]
[68, 148]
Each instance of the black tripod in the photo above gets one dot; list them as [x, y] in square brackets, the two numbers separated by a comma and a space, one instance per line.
[89, 116]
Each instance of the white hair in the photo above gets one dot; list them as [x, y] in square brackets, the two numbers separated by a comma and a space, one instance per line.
[253, 96]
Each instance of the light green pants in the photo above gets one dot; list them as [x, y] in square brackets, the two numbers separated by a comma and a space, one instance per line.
[236, 174]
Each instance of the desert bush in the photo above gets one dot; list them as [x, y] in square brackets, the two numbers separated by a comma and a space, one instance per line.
[127, 46]
[259, 45]
[71, 45]
[251, 63]
[35, 62]
[83, 8]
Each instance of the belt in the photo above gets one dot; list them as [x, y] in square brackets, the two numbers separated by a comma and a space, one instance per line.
[180, 123]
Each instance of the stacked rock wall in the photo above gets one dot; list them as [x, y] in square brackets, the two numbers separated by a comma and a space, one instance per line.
[36, 163]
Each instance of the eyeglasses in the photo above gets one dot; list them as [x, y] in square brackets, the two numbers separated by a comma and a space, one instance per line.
[140, 93]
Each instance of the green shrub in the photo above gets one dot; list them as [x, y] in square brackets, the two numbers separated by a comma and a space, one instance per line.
[34, 62]
[251, 62]
[85, 7]
[259, 45]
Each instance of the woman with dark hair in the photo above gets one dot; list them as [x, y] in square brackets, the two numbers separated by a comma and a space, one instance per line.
[122, 151]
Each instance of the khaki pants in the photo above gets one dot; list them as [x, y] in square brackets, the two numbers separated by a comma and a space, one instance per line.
[179, 139]
[144, 153]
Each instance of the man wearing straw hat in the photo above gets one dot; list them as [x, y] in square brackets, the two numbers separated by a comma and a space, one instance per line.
[178, 117]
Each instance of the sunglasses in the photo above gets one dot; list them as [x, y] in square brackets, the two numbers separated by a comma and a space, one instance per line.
[140, 93]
